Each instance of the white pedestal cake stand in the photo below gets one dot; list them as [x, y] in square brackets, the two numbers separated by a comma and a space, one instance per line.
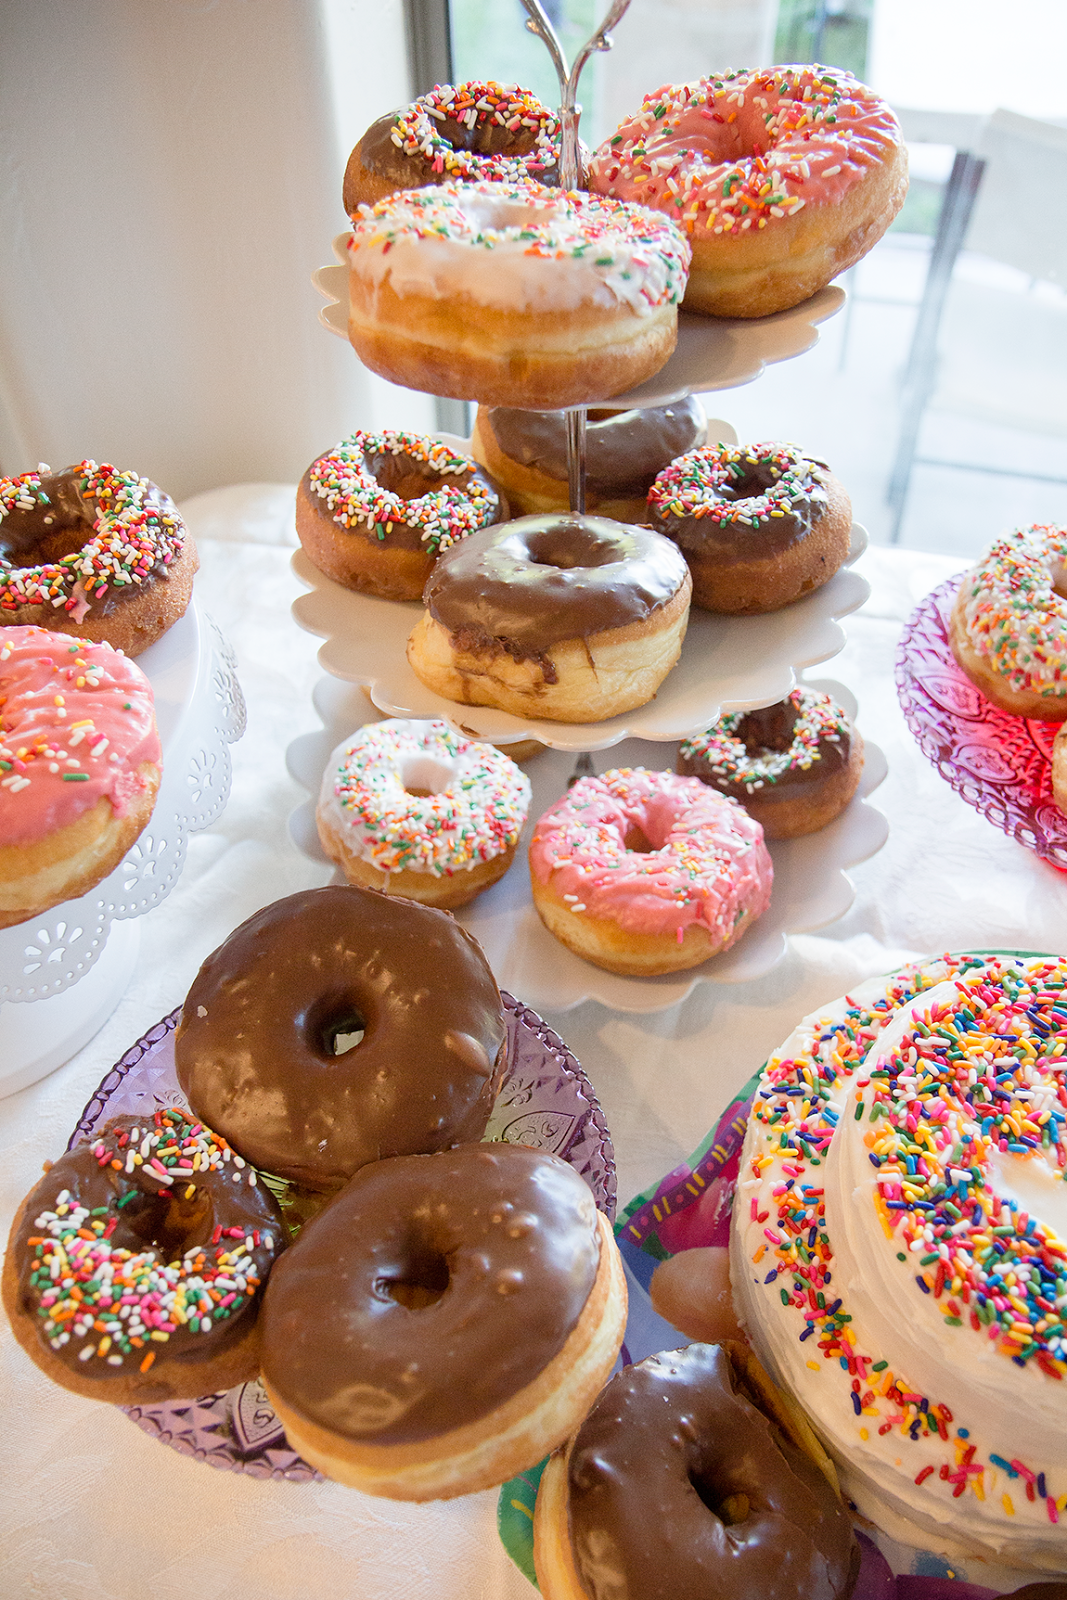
[63, 973]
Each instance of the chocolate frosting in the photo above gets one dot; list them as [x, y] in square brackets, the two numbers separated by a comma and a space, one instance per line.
[729, 542]
[430, 1291]
[381, 156]
[767, 732]
[679, 1485]
[60, 523]
[256, 1047]
[148, 1214]
[526, 585]
[625, 449]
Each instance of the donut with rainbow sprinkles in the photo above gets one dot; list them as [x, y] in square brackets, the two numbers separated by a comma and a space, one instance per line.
[899, 1249]
[1008, 628]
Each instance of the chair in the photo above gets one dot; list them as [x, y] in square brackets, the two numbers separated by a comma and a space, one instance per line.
[1002, 203]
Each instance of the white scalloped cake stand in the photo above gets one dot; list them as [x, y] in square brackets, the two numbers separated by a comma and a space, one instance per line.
[712, 352]
[727, 663]
[811, 886]
[63, 973]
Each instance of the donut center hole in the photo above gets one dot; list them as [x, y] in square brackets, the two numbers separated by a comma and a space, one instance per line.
[407, 479]
[731, 1510]
[568, 544]
[755, 480]
[424, 1279]
[47, 533]
[422, 776]
[166, 1220]
[636, 839]
[1059, 581]
[334, 1027]
[769, 728]
[487, 138]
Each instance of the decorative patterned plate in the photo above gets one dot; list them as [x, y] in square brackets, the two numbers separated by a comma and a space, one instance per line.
[547, 1101]
[712, 352]
[997, 763]
[727, 663]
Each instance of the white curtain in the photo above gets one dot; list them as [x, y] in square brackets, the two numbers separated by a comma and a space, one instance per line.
[170, 177]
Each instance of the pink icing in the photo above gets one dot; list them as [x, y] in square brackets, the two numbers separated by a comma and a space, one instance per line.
[708, 863]
[732, 153]
[76, 723]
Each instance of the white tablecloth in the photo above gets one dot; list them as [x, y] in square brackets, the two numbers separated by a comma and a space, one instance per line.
[93, 1509]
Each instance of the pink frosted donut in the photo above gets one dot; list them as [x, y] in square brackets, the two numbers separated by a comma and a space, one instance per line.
[644, 872]
[781, 178]
[79, 766]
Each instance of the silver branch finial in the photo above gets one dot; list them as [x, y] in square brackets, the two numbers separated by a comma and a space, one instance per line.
[570, 173]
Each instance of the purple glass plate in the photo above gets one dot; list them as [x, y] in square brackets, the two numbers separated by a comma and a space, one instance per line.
[547, 1102]
[997, 763]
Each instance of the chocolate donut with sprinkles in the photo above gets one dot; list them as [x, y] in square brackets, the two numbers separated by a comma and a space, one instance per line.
[794, 766]
[376, 512]
[1008, 628]
[134, 1268]
[95, 552]
[781, 178]
[899, 1249]
[760, 525]
[514, 294]
[457, 133]
[417, 810]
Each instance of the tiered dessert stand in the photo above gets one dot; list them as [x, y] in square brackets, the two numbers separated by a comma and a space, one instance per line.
[727, 664]
[63, 973]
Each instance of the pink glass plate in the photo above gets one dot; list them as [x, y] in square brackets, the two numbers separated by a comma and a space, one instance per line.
[999, 764]
[547, 1102]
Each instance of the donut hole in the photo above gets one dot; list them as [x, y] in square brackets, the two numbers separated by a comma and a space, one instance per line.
[487, 137]
[567, 544]
[422, 1280]
[759, 476]
[44, 535]
[165, 1221]
[334, 1026]
[422, 776]
[407, 479]
[636, 839]
[730, 1509]
[495, 214]
[1059, 582]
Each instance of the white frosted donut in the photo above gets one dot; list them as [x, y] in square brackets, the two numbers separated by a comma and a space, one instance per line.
[1008, 628]
[416, 809]
[514, 294]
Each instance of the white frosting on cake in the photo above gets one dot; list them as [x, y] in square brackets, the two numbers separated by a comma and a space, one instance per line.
[520, 246]
[837, 1185]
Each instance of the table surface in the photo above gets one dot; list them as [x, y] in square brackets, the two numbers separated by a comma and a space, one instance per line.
[98, 1511]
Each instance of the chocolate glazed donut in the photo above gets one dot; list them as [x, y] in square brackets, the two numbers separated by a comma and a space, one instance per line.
[760, 525]
[564, 616]
[625, 451]
[679, 1483]
[262, 1048]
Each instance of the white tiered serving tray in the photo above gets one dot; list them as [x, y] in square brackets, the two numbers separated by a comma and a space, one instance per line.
[811, 886]
[712, 352]
[727, 663]
[70, 966]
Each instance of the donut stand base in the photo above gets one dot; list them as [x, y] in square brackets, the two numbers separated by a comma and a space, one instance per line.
[37, 1038]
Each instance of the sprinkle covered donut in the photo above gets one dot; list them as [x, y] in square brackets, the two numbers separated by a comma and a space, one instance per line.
[94, 552]
[794, 766]
[1008, 628]
[645, 872]
[514, 294]
[80, 766]
[899, 1249]
[134, 1269]
[760, 525]
[781, 178]
[458, 133]
[418, 810]
[376, 512]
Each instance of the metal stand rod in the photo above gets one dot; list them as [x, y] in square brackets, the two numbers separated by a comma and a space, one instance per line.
[576, 459]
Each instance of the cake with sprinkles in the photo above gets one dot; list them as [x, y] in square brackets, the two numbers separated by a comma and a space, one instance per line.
[899, 1249]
